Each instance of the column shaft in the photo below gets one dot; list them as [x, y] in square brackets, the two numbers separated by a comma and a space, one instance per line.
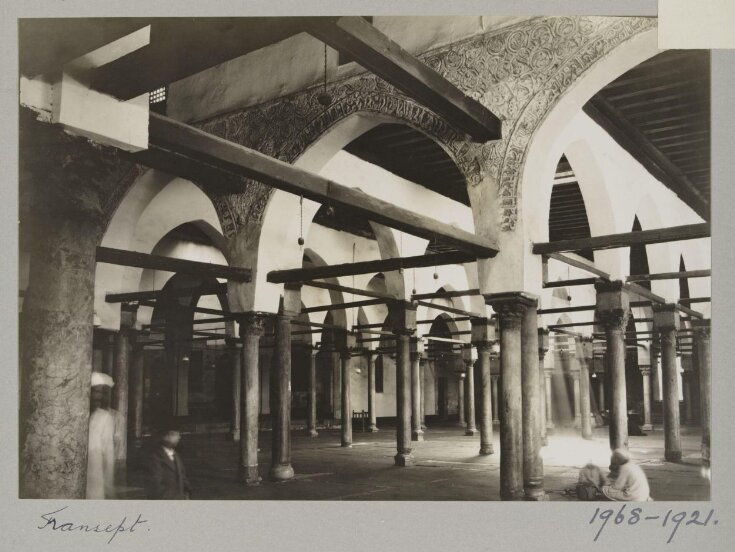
[576, 401]
[584, 397]
[601, 392]
[236, 365]
[251, 329]
[494, 383]
[422, 381]
[416, 433]
[281, 410]
[346, 426]
[136, 395]
[687, 391]
[616, 368]
[646, 374]
[371, 392]
[542, 395]
[670, 384]
[702, 335]
[469, 398]
[311, 396]
[461, 409]
[404, 456]
[547, 388]
[120, 392]
[486, 405]
[533, 467]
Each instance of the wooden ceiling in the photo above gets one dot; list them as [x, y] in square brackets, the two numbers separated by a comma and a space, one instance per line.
[659, 112]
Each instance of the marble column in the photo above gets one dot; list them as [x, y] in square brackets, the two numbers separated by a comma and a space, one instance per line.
[585, 408]
[543, 347]
[346, 349]
[613, 309]
[461, 409]
[533, 466]
[311, 395]
[494, 382]
[486, 415]
[469, 396]
[251, 330]
[108, 352]
[281, 468]
[702, 337]
[601, 391]
[416, 433]
[403, 318]
[423, 370]
[371, 392]
[666, 324]
[137, 364]
[574, 373]
[511, 308]
[548, 374]
[120, 392]
[236, 366]
[646, 375]
[686, 380]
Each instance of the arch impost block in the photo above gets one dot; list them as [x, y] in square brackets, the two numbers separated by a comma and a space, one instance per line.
[253, 323]
[666, 317]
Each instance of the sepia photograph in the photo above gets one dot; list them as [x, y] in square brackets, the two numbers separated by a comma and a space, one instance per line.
[387, 258]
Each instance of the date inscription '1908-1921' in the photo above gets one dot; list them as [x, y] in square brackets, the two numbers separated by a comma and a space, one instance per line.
[634, 516]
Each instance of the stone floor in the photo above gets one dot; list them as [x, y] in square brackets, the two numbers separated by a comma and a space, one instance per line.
[448, 467]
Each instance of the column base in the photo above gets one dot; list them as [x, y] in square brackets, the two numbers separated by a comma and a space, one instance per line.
[647, 427]
[423, 426]
[345, 445]
[281, 472]
[577, 424]
[672, 455]
[512, 495]
[417, 435]
[486, 450]
[536, 496]
[404, 459]
[312, 432]
[461, 424]
[470, 431]
[249, 476]
[373, 428]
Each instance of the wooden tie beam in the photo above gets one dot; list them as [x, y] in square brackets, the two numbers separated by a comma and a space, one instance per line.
[445, 294]
[180, 147]
[669, 275]
[350, 290]
[379, 54]
[156, 262]
[155, 295]
[368, 267]
[626, 239]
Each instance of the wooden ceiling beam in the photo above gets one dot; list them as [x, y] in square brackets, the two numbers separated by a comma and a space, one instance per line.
[388, 60]
[350, 290]
[651, 157]
[367, 267]
[626, 239]
[133, 296]
[156, 262]
[208, 151]
[342, 306]
[669, 275]
[446, 294]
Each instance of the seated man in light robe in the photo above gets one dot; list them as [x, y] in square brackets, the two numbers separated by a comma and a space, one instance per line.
[626, 481]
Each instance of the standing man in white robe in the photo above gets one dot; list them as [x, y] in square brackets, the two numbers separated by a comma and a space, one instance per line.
[101, 451]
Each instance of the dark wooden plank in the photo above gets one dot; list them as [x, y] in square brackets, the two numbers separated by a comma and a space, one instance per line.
[350, 290]
[692, 300]
[448, 309]
[669, 275]
[379, 54]
[651, 157]
[367, 267]
[342, 306]
[446, 294]
[133, 296]
[626, 239]
[156, 262]
[228, 157]
[572, 282]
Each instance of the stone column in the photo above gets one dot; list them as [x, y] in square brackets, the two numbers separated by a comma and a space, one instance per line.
[585, 360]
[236, 366]
[371, 392]
[613, 309]
[403, 318]
[574, 373]
[511, 308]
[281, 400]
[416, 433]
[108, 352]
[494, 381]
[311, 395]
[136, 395]
[646, 374]
[346, 349]
[469, 393]
[543, 347]
[251, 330]
[548, 373]
[533, 466]
[461, 409]
[704, 367]
[120, 393]
[686, 379]
[423, 370]
[601, 392]
[666, 324]
[483, 335]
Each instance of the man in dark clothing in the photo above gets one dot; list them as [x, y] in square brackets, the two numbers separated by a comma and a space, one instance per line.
[167, 475]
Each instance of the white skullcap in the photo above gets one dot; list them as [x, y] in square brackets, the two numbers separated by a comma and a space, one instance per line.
[98, 378]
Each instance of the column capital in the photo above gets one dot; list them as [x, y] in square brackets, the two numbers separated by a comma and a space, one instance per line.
[511, 307]
[665, 317]
[543, 341]
[645, 369]
[613, 304]
[483, 331]
[252, 323]
[702, 328]
[402, 315]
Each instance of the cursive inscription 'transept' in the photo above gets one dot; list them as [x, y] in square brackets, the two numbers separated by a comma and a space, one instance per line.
[53, 523]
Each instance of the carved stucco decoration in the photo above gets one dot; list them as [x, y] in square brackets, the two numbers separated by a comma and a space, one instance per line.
[519, 73]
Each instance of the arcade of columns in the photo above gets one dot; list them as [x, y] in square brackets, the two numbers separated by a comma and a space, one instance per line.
[84, 185]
